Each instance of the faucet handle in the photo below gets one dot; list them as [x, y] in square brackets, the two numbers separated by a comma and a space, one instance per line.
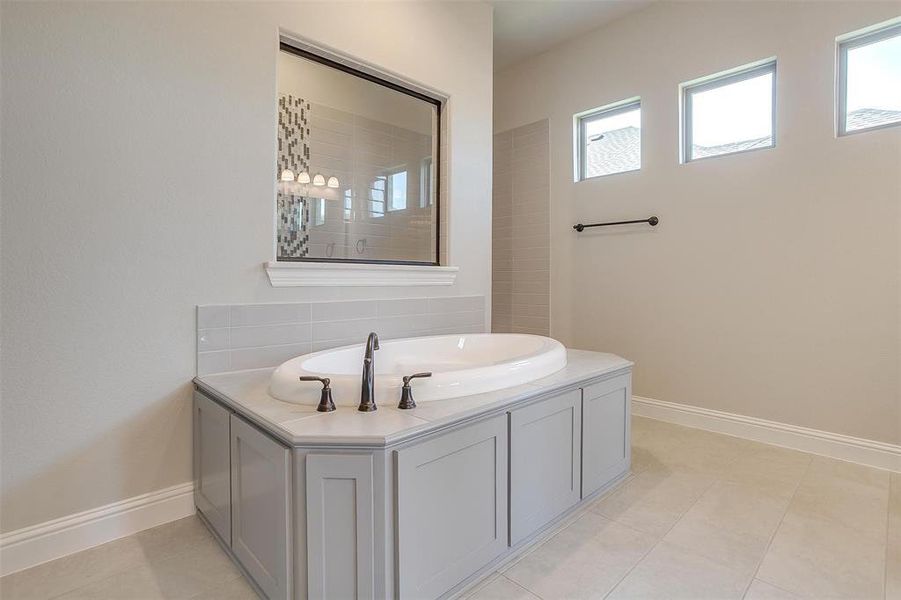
[406, 394]
[325, 400]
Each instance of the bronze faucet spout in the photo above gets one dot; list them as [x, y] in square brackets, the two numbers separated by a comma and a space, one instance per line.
[367, 393]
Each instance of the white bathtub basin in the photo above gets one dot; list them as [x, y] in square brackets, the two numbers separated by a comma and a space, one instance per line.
[460, 364]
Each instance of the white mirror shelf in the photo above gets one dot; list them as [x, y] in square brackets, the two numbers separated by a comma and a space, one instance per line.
[304, 274]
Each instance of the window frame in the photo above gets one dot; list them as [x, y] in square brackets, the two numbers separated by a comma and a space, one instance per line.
[580, 124]
[849, 42]
[730, 77]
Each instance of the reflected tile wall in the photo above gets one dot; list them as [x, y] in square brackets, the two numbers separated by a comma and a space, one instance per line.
[253, 336]
[520, 301]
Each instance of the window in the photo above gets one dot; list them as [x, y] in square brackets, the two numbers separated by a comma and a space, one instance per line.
[869, 80]
[317, 211]
[425, 182]
[397, 192]
[729, 113]
[609, 140]
[348, 205]
[377, 197]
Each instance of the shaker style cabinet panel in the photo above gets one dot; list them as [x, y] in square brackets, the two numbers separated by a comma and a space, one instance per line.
[451, 507]
[605, 432]
[261, 508]
[545, 444]
[212, 476]
[340, 526]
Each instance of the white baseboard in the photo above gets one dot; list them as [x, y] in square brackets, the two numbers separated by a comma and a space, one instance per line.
[834, 445]
[39, 543]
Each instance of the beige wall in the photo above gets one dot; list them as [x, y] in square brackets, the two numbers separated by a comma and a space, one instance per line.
[771, 287]
[138, 153]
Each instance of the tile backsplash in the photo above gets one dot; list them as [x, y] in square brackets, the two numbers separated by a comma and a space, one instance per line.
[250, 336]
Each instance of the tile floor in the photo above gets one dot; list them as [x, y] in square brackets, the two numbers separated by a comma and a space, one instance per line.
[702, 516]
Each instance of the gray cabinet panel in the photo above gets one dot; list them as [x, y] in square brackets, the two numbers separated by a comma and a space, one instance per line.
[340, 543]
[451, 507]
[544, 462]
[212, 492]
[606, 449]
[261, 508]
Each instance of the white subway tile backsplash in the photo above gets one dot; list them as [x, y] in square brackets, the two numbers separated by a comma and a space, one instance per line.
[213, 362]
[339, 330]
[337, 311]
[268, 356]
[270, 335]
[265, 335]
[212, 316]
[404, 326]
[456, 304]
[267, 314]
[212, 339]
[457, 319]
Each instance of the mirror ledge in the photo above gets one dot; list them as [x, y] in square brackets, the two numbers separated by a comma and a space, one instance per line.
[305, 274]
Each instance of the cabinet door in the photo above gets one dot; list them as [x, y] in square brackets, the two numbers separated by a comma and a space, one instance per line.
[340, 538]
[544, 462]
[606, 450]
[260, 508]
[451, 507]
[212, 449]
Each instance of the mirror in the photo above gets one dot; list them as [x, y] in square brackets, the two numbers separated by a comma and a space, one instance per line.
[357, 165]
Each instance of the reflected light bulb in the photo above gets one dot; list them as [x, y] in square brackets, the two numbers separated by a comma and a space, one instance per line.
[318, 179]
[287, 175]
[304, 177]
[333, 182]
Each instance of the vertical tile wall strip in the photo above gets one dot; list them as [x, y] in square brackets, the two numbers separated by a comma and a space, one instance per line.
[521, 230]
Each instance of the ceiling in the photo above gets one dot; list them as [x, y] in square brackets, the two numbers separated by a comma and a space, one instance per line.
[524, 28]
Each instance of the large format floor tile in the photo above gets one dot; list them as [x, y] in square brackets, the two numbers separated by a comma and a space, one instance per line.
[653, 500]
[501, 588]
[730, 523]
[675, 573]
[585, 560]
[761, 590]
[831, 543]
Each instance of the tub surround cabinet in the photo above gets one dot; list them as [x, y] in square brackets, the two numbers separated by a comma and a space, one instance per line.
[402, 504]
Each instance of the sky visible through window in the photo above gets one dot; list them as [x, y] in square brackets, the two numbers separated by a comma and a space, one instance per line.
[735, 112]
[874, 75]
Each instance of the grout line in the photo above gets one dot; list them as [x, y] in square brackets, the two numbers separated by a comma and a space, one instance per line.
[522, 587]
[776, 530]
[888, 528]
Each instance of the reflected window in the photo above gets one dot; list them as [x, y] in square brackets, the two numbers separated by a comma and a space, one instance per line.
[377, 197]
[348, 205]
[398, 191]
[425, 182]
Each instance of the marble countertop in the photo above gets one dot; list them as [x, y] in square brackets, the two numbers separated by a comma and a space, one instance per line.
[246, 392]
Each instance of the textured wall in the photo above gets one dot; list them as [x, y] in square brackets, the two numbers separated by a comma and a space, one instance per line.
[521, 231]
[771, 286]
[138, 152]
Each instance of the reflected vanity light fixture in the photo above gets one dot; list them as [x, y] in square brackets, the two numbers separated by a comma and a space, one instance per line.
[288, 175]
[333, 182]
[303, 177]
[318, 179]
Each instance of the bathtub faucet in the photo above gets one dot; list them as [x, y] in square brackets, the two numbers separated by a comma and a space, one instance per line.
[367, 394]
